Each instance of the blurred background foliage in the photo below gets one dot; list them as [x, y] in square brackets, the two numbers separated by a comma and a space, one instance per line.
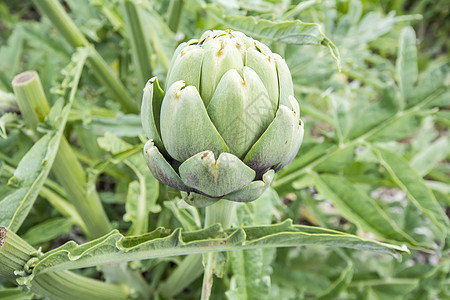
[374, 161]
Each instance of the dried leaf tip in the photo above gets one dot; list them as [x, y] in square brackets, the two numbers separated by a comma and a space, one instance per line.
[3, 232]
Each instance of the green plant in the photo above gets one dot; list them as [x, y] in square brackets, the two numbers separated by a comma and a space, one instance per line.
[368, 187]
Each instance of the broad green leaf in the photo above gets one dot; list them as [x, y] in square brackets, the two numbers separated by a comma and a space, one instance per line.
[339, 285]
[115, 248]
[48, 230]
[375, 114]
[394, 287]
[430, 155]
[248, 281]
[415, 188]
[289, 32]
[28, 179]
[359, 208]
[406, 65]
[431, 84]
[341, 158]
[399, 128]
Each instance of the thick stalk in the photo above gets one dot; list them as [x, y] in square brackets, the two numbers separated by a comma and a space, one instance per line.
[61, 20]
[16, 254]
[138, 42]
[222, 212]
[67, 169]
[174, 15]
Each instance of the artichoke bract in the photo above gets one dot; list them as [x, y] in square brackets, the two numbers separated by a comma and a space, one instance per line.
[227, 121]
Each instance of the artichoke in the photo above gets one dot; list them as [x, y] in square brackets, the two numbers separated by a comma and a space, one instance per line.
[227, 122]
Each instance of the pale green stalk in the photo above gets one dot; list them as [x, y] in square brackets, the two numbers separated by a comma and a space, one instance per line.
[174, 15]
[221, 212]
[61, 20]
[67, 169]
[138, 42]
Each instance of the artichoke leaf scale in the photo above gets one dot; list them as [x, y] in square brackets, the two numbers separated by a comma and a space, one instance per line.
[186, 128]
[275, 144]
[264, 66]
[213, 177]
[247, 101]
[150, 112]
[187, 67]
[219, 57]
[253, 190]
[161, 169]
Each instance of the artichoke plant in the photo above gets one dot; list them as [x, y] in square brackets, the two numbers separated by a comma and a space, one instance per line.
[227, 121]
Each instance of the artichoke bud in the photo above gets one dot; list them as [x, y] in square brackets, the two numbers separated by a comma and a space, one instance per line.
[227, 122]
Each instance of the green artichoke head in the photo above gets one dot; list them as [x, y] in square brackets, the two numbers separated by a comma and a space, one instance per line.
[227, 121]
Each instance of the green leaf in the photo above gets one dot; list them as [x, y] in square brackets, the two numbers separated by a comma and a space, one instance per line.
[289, 32]
[430, 156]
[115, 248]
[339, 285]
[249, 280]
[359, 208]
[406, 65]
[432, 84]
[48, 230]
[415, 188]
[375, 114]
[401, 127]
[28, 179]
[340, 159]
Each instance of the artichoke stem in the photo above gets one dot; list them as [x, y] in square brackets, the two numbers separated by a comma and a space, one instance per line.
[221, 212]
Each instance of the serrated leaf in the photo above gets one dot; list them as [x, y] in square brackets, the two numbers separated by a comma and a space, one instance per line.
[359, 208]
[406, 65]
[115, 248]
[415, 188]
[289, 32]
